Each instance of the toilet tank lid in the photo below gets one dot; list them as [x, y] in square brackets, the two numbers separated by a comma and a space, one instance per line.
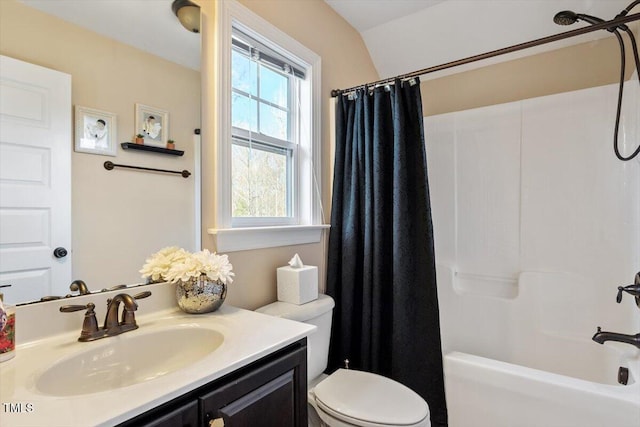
[302, 312]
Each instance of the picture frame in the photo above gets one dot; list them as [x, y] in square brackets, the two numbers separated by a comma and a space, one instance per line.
[95, 131]
[153, 123]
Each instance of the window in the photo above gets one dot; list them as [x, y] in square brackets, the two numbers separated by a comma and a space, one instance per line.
[267, 144]
[265, 95]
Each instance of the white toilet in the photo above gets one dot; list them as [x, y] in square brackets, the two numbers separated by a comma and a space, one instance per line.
[349, 397]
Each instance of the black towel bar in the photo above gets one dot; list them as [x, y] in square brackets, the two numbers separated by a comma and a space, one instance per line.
[110, 165]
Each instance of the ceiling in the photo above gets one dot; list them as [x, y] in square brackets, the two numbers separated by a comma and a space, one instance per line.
[401, 35]
[419, 34]
[366, 14]
[149, 25]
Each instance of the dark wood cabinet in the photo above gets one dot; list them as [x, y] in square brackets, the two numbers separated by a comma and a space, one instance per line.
[273, 404]
[271, 392]
[183, 416]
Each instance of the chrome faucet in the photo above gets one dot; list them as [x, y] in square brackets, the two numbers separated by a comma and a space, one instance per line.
[112, 326]
[602, 336]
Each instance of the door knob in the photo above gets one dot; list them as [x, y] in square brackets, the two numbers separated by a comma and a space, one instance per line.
[60, 252]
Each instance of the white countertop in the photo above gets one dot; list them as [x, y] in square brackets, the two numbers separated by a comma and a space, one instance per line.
[248, 336]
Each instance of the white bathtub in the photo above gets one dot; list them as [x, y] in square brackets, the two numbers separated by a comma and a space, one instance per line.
[529, 361]
[483, 392]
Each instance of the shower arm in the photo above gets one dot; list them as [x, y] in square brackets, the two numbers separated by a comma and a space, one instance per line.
[627, 9]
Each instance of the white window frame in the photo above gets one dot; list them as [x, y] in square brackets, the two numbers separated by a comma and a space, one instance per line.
[308, 227]
[290, 144]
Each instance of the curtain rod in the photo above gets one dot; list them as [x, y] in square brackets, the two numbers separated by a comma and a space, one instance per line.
[533, 43]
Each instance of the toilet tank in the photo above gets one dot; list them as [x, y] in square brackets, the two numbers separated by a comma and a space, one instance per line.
[317, 313]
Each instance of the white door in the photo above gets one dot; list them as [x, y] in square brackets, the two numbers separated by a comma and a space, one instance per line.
[35, 180]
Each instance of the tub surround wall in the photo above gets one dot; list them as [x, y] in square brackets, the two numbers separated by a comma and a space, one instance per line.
[553, 218]
[536, 223]
[121, 216]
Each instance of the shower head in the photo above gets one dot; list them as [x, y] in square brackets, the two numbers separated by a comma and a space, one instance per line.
[567, 17]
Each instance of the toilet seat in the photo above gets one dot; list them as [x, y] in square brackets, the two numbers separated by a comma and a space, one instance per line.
[356, 398]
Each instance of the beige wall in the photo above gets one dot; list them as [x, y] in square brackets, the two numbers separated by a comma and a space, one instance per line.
[577, 67]
[121, 216]
[345, 62]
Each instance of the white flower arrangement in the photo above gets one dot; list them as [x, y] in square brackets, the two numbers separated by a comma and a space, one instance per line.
[172, 264]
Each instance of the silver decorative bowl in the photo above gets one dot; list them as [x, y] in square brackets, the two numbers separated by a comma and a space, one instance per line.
[200, 295]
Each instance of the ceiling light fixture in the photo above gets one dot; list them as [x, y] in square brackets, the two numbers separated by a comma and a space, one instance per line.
[188, 14]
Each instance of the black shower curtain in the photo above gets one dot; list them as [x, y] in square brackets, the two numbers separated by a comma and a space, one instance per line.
[381, 264]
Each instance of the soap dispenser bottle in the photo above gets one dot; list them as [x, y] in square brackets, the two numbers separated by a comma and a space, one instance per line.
[7, 330]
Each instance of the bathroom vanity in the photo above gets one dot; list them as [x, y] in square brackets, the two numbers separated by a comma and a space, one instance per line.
[176, 369]
[271, 392]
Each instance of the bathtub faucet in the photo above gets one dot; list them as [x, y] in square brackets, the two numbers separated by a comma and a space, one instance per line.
[633, 290]
[601, 337]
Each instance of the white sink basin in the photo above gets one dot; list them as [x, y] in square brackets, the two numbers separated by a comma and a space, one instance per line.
[127, 359]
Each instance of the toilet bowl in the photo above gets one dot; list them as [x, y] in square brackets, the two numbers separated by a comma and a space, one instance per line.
[349, 397]
[355, 398]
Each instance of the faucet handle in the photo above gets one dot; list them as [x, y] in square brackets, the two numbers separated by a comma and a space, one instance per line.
[72, 308]
[90, 330]
[114, 288]
[631, 290]
[128, 316]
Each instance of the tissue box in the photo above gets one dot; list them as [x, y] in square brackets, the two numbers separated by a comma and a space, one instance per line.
[297, 285]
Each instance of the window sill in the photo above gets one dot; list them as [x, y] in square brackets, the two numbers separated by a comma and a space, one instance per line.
[241, 239]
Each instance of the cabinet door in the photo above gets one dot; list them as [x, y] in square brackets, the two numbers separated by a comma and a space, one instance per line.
[273, 404]
[273, 395]
[185, 416]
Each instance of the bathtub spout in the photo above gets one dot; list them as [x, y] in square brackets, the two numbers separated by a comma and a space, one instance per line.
[602, 336]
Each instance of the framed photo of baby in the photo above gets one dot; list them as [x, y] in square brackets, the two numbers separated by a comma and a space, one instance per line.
[95, 131]
[153, 124]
